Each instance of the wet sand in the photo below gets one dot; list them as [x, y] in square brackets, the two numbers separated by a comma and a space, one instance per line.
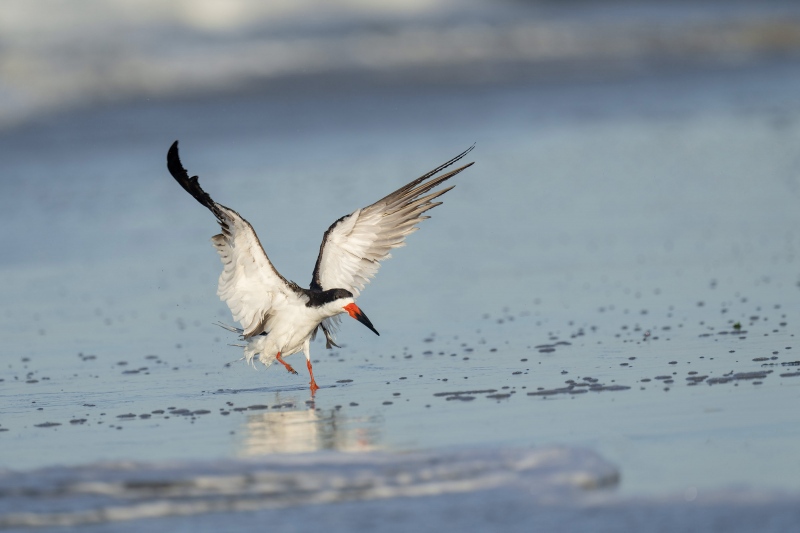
[618, 272]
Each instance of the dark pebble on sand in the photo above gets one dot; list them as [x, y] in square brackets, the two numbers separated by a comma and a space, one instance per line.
[127, 415]
[345, 381]
[47, 425]
[735, 377]
[499, 396]
[609, 388]
[387, 403]
[752, 375]
[201, 412]
[552, 392]
[468, 392]
[258, 407]
[790, 374]
[461, 398]
[144, 415]
[78, 421]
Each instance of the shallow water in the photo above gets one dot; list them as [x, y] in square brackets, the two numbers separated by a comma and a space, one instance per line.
[617, 272]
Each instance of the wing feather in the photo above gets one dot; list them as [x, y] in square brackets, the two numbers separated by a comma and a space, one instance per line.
[249, 283]
[353, 246]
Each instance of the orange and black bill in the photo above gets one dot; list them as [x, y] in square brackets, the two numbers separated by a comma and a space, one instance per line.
[359, 315]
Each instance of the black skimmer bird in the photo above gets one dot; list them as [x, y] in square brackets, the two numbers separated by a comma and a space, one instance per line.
[280, 318]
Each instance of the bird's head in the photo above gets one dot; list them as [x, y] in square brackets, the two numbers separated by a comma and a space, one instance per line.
[338, 301]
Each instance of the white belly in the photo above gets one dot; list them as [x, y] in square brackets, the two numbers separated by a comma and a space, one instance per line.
[286, 336]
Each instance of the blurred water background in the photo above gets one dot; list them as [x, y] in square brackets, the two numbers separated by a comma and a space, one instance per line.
[59, 54]
[597, 328]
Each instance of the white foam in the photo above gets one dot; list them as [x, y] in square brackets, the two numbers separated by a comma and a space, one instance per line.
[118, 492]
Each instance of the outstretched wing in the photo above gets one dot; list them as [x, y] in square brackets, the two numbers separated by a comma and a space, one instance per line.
[354, 245]
[249, 284]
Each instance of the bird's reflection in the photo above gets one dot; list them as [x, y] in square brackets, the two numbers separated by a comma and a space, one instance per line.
[289, 426]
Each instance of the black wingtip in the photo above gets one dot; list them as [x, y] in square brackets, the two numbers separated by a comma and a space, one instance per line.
[468, 150]
[445, 165]
[174, 164]
[180, 174]
[172, 155]
[465, 152]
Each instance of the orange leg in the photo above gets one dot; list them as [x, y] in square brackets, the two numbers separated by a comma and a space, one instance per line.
[313, 383]
[285, 364]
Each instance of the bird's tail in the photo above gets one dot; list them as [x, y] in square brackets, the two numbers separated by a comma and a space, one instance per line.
[256, 347]
[232, 329]
[253, 347]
